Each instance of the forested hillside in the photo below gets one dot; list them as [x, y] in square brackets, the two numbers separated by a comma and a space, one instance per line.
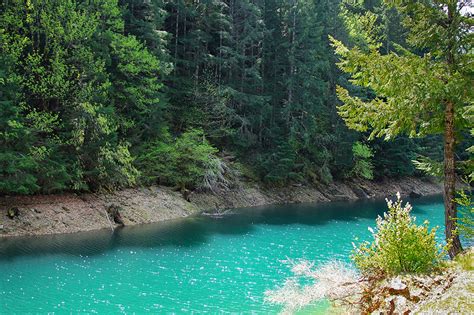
[108, 94]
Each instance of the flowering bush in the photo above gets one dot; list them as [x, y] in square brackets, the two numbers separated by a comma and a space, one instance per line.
[399, 246]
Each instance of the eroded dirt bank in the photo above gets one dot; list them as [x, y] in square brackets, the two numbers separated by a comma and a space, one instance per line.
[69, 213]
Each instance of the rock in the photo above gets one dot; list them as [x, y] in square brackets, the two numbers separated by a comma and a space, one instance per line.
[397, 284]
[397, 287]
[113, 212]
[400, 304]
[437, 280]
[13, 212]
[187, 195]
[338, 198]
[415, 195]
[416, 295]
[360, 193]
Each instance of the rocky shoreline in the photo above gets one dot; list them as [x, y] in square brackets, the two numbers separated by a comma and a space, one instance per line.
[448, 290]
[69, 213]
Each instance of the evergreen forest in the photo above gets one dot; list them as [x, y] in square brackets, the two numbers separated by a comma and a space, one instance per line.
[106, 94]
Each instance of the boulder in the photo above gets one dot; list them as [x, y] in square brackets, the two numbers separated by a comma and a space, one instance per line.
[13, 212]
[113, 211]
[400, 305]
[360, 193]
[397, 287]
[187, 194]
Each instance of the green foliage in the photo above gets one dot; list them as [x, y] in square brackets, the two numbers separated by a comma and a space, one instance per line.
[409, 87]
[465, 260]
[465, 221]
[394, 158]
[422, 89]
[72, 68]
[363, 166]
[88, 87]
[245, 171]
[428, 166]
[194, 158]
[279, 166]
[136, 89]
[17, 173]
[468, 167]
[188, 162]
[399, 245]
[260, 82]
[212, 113]
[17, 166]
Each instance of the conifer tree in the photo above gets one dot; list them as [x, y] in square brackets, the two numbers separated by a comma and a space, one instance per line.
[417, 95]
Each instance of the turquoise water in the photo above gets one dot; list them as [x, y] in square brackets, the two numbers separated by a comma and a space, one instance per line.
[194, 265]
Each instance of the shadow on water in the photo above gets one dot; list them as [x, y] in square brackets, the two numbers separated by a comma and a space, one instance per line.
[196, 230]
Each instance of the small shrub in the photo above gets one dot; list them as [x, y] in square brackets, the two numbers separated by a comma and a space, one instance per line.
[363, 166]
[114, 167]
[187, 162]
[399, 246]
[193, 158]
[216, 176]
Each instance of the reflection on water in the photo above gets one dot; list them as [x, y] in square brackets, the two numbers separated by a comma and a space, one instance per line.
[195, 230]
[196, 265]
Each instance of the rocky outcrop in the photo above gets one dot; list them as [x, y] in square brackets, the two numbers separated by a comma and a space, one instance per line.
[440, 293]
[68, 213]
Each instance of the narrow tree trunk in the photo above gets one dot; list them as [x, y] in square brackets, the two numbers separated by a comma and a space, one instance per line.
[450, 212]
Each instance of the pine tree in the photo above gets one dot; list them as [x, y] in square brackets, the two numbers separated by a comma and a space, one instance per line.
[417, 95]
[76, 73]
[17, 164]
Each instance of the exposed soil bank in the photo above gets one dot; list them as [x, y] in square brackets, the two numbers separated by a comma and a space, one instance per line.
[69, 213]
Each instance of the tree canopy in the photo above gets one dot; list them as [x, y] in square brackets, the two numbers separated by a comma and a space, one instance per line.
[94, 93]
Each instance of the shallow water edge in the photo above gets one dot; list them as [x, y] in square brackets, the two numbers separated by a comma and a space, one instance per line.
[196, 264]
[71, 213]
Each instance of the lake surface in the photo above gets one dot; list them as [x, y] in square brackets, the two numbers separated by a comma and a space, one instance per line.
[194, 265]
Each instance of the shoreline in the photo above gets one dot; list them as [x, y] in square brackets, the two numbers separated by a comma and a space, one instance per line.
[71, 213]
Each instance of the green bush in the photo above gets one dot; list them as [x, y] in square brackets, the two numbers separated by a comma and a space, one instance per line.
[465, 220]
[399, 245]
[188, 162]
[363, 166]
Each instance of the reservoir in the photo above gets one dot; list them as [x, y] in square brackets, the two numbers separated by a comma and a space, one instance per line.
[199, 264]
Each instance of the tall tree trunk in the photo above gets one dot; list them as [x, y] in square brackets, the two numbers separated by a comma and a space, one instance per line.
[450, 212]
